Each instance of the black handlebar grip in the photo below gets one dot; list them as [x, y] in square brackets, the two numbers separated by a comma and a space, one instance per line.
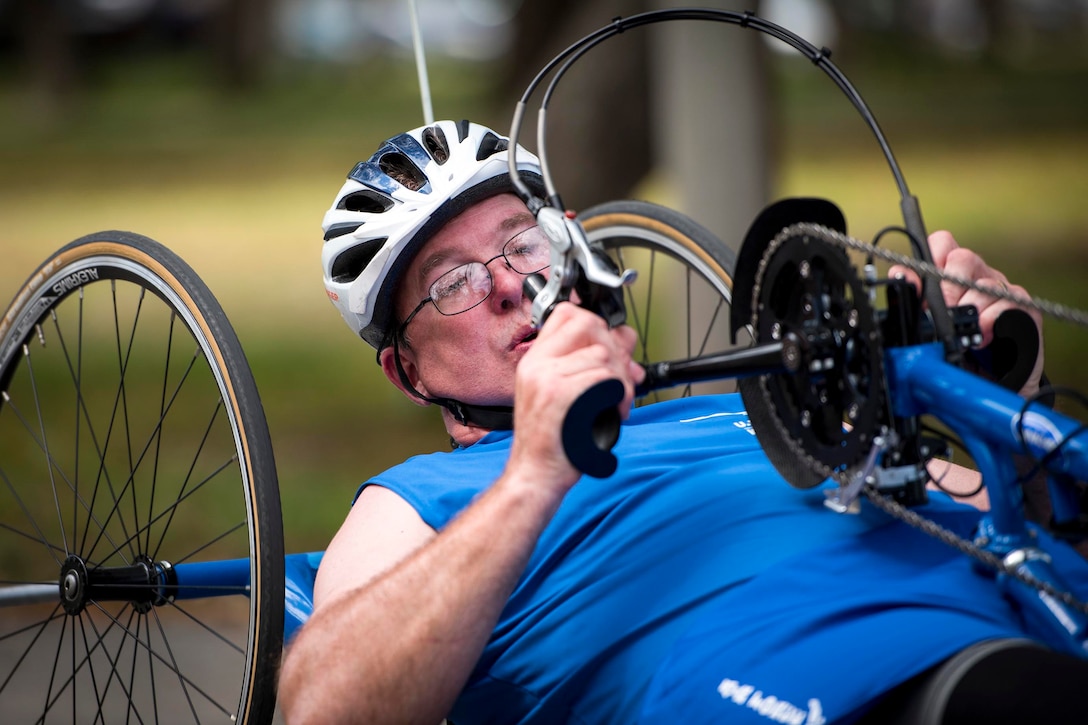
[592, 427]
[1010, 357]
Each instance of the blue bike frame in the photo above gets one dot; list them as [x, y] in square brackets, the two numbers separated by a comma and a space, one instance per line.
[227, 577]
[994, 424]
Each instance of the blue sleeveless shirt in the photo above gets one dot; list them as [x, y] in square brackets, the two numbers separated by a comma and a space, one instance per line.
[666, 547]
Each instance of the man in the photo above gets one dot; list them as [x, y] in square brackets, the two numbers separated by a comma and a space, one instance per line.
[490, 584]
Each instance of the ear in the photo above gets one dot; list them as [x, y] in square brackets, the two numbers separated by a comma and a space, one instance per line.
[409, 382]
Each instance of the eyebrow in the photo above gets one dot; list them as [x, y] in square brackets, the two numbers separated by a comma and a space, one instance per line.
[508, 224]
[513, 222]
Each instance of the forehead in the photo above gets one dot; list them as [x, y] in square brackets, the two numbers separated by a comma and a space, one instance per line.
[479, 230]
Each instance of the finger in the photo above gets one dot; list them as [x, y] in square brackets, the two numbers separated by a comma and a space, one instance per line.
[982, 299]
[584, 335]
[569, 327]
[572, 367]
[633, 373]
[941, 244]
[990, 308]
[965, 264]
[574, 328]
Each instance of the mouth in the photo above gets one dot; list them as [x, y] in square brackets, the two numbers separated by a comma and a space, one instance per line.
[524, 336]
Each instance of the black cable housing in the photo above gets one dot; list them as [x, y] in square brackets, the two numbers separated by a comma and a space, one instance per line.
[820, 57]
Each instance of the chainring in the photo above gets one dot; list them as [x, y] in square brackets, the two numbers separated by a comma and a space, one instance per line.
[821, 419]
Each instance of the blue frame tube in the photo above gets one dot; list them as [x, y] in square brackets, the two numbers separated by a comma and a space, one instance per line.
[230, 577]
[988, 420]
[922, 382]
[199, 580]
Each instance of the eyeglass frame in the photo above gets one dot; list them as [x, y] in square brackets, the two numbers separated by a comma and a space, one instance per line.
[486, 265]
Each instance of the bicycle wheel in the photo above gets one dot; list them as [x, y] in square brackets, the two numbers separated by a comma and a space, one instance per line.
[680, 302]
[133, 445]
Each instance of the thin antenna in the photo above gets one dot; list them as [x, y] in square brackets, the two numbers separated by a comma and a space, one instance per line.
[421, 66]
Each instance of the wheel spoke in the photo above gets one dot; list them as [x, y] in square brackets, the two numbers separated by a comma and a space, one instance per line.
[57, 612]
[132, 439]
[240, 525]
[44, 442]
[56, 659]
[77, 380]
[114, 672]
[684, 283]
[75, 373]
[130, 483]
[88, 651]
[181, 680]
[207, 628]
[158, 430]
[185, 682]
[150, 672]
[41, 538]
[167, 512]
[87, 506]
[122, 397]
[154, 551]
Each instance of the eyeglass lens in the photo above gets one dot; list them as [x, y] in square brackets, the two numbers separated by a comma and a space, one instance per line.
[466, 286]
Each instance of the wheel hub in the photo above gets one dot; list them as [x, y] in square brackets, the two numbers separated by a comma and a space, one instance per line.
[143, 584]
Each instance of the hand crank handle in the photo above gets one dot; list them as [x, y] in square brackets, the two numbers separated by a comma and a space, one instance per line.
[592, 425]
[1010, 357]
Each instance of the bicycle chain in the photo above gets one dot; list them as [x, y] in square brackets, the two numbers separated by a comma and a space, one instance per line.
[889, 506]
[924, 269]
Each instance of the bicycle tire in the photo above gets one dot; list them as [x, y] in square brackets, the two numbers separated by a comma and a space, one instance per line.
[679, 260]
[131, 431]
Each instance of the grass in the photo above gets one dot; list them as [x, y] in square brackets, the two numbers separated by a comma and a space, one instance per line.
[237, 186]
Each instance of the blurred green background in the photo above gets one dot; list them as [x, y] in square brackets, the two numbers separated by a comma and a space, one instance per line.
[163, 123]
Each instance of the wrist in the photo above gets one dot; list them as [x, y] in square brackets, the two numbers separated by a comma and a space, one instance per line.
[535, 484]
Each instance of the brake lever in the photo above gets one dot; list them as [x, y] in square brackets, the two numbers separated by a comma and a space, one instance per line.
[572, 260]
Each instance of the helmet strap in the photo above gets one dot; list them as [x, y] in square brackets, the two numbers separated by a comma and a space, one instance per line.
[492, 417]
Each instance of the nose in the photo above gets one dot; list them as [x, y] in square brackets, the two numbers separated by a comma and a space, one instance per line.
[507, 292]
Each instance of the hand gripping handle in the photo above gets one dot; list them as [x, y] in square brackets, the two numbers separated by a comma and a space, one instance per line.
[592, 425]
[1010, 357]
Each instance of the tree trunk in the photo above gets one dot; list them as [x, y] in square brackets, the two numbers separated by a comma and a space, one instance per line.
[598, 133]
[715, 133]
[49, 55]
[244, 30]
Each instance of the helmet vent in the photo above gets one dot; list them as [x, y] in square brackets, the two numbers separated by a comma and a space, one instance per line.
[434, 140]
[351, 263]
[339, 230]
[366, 201]
[400, 168]
[490, 144]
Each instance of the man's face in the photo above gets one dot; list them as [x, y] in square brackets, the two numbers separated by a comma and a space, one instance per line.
[470, 356]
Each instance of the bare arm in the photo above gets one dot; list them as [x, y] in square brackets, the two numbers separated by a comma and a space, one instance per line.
[401, 613]
[963, 483]
[399, 647]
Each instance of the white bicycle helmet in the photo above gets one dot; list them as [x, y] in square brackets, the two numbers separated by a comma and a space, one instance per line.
[394, 202]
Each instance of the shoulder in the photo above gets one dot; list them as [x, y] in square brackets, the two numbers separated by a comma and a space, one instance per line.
[380, 530]
[439, 485]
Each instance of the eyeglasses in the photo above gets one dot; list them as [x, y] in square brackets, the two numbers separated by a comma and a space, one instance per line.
[467, 285]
